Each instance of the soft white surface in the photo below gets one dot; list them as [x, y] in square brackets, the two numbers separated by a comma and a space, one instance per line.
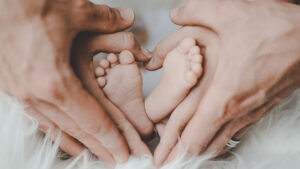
[274, 143]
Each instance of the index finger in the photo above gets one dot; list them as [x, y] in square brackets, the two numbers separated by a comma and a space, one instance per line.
[207, 120]
[109, 43]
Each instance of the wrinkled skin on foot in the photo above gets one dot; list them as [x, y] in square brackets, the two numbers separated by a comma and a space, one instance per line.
[181, 71]
[119, 77]
[35, 44]
[258, 64]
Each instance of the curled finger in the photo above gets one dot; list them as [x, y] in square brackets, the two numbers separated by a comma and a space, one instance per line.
[67, 143]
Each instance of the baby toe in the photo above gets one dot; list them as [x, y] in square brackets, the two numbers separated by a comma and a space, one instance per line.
[99, 71]
[126, 57]
[101, 81]
[112, 58]
[186, 45]
[191, 78]
[104, 63]
[196, 58]
[195, 50]
[197, 69]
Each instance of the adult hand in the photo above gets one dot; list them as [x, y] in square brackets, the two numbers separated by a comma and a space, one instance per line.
[35, 45]
[258, 65]
[87, 45]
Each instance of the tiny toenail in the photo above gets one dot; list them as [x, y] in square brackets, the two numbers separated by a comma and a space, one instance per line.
[146, 52]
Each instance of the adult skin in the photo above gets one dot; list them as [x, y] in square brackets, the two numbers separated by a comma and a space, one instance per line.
[258, 66]
[35, 45]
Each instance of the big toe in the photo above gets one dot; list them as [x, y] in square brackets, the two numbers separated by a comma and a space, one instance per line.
[186, 45]
[126, 57]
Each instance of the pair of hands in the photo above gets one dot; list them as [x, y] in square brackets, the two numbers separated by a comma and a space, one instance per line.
[252, 62]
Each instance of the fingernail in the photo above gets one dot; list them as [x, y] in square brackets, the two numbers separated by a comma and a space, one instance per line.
[174, 12]
[146, 52]
[127, 14]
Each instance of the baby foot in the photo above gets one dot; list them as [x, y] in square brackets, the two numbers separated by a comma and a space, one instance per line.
[181, 69]
[122, 82]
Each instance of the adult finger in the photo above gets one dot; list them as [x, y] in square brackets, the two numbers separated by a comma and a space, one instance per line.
[237, 136]
[211, 14]
[198, 13]
[85, 72]
[236, 128]
[135, 143]
[203, 36]
[185, 110]
[160, 126]
[172, 130]
[204, 124]
[101, 18]
[67, 94]
[112, 43]
[67, 143]
[66, 124]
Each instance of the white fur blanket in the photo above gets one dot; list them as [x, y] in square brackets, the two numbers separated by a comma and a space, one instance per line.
[274, 143]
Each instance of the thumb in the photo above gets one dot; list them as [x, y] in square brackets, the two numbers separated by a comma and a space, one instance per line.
[195, 13]
[102, 18]
[203, 36]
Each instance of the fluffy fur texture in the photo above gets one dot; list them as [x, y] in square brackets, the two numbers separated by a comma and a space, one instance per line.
[271, 144]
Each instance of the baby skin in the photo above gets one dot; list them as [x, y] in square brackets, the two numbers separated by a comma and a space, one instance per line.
[182, 68]
[121, 81]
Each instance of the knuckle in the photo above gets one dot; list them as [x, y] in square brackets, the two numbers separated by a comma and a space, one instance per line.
[74, 132]
[109, 13]
[95, 129]
[231, 110]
